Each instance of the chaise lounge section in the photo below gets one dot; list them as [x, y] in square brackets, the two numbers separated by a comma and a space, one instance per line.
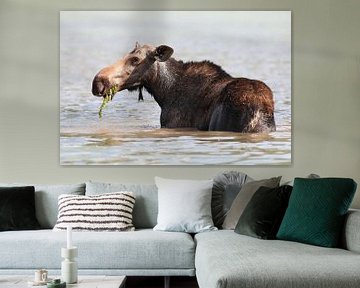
[226, 259]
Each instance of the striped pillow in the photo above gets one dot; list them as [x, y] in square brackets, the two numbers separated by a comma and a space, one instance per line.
[105, 212]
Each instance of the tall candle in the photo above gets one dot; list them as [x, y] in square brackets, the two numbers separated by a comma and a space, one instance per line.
[69, 237]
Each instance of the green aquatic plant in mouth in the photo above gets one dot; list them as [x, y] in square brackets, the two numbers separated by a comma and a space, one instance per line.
[109, 94]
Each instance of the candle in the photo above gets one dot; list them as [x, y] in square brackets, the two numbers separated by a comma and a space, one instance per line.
[69, 237]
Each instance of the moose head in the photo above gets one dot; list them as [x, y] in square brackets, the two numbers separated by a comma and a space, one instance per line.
[130, 71]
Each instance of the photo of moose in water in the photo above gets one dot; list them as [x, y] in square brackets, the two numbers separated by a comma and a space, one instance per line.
[212, 88]
[191, 95]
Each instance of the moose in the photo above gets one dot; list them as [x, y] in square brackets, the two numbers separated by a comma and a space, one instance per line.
[198, 95]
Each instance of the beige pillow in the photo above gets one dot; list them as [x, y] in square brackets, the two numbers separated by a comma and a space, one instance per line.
[243, 198]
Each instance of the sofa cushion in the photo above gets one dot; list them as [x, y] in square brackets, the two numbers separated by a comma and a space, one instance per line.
[263, 215]
[142, 249]
[146, 205]
[105, 212]
[17, 208]
[243, 198]
[46, 200]
[225, 189]
[184, 205]
[225, 259]
[350, 239]
[317, 209]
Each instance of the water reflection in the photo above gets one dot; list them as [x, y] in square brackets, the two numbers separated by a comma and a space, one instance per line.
[169, 147]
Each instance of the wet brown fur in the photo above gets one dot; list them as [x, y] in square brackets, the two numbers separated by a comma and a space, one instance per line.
[193, 94]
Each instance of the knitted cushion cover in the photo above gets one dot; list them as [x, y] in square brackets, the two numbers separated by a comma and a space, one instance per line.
[105, 212]
[316, 211]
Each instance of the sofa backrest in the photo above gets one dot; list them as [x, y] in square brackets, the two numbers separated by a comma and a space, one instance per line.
[146, 203]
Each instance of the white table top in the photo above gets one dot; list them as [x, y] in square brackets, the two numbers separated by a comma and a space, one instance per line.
[84, 281]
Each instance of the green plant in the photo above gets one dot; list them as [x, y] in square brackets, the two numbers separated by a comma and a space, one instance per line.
[109, 94]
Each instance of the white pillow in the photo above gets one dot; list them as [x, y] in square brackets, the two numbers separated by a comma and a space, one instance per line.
[184, 205]
[104, 212]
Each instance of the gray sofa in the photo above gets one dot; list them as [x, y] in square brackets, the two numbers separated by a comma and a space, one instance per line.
[218, 259]
[226, 259]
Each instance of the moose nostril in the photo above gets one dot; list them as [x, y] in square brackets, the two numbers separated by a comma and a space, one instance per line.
[98, 87]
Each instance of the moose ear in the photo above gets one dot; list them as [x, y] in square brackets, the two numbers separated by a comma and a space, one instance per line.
[163, 53]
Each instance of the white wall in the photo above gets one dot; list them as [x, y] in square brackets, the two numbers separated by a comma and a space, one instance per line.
[326, 85]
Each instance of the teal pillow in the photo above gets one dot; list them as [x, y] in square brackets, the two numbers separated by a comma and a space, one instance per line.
[316, 211]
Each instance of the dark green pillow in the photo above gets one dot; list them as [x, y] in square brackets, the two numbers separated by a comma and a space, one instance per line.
[17, 208]
[316, 211]
[264, 212]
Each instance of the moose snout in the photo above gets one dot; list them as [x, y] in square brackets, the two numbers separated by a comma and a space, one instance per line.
[98, 87]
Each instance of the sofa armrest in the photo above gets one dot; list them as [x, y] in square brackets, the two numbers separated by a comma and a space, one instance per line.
[351, 234]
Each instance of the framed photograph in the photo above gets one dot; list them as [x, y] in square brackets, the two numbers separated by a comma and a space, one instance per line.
[175, 88]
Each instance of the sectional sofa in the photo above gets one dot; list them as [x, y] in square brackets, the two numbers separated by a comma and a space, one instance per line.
[218, 258]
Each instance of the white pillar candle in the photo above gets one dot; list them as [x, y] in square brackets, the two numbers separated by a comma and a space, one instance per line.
[69, 237]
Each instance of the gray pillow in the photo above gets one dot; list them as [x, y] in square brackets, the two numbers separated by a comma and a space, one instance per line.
[184, 205]
[46, 200]
[146, 206]
[243, 198]
[226, 187]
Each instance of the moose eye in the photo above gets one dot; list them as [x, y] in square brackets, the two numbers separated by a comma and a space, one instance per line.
[134, 61]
